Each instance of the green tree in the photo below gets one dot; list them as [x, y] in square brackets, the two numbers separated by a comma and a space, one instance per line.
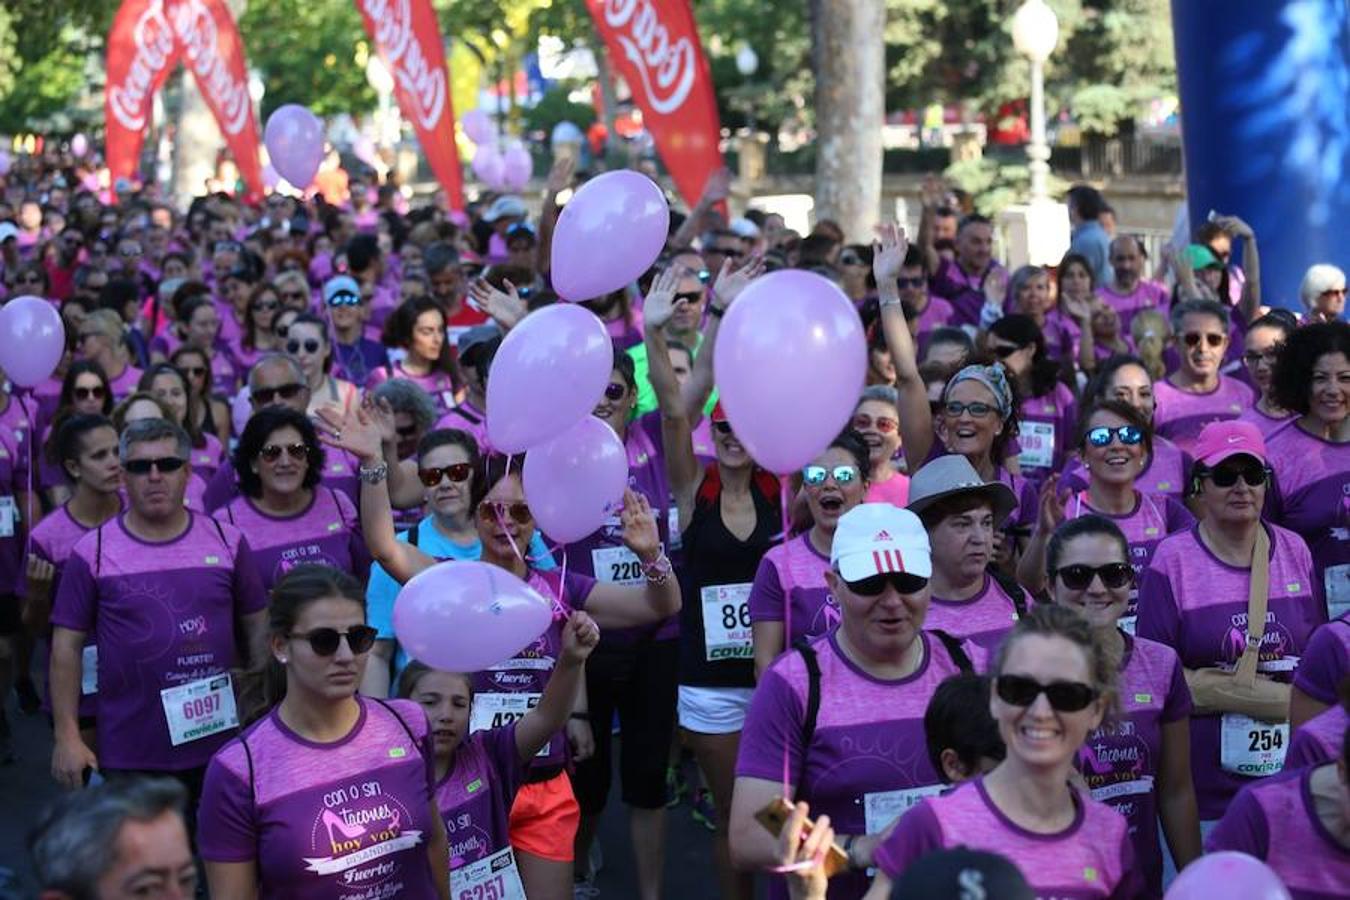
[46, 48]
[310, 52]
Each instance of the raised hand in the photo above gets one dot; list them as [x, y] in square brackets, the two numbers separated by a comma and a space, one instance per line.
[579, 637]
[933, 192]
[888, 253]
[506, 309]
[352, 430]
[660, 303]
[560, 174]
[718, 186]
[639, 527]
[996, 287]
[1050, 506]
[731, 281]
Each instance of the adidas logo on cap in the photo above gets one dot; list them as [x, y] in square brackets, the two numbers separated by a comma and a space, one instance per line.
[882, 536]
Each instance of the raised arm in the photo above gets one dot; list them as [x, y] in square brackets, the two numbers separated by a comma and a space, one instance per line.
[931, 197]
[559, 177]
[676, 429]
[728, 286]
[506, 309]
[405, 490]
[579, 637]
[624, 606]
[717, 189]
[1031, 566]
[1249, 304]
[916, 418]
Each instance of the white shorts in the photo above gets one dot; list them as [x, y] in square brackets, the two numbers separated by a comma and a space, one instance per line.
[713, 710]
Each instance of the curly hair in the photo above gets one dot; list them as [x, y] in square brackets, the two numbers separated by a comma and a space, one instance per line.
[1291, 383]
[262, 425]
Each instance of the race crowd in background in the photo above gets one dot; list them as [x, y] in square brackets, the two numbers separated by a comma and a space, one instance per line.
[1066, 605]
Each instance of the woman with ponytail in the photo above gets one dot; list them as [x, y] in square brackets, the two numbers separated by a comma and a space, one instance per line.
[324, 781]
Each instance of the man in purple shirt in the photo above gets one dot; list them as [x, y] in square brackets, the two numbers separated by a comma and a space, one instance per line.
[174, 603]
[960, 281]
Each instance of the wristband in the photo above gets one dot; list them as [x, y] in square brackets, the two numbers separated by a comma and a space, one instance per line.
[884, 302]
[374, 474]
[658, 570]
[716, 311]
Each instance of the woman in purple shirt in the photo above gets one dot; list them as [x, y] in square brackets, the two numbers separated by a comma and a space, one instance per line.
[1048, 413]
[258, 338]
[1140, 762]
[84, 391]
[417, 328]
[1260, 348]
[169, 385]
[328, 795]
[478, 773]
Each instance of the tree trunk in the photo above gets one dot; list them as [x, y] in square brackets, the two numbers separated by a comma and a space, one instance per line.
[848, 52]
[197, 137]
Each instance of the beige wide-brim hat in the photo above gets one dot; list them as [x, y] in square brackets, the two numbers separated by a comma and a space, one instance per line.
[953, 475]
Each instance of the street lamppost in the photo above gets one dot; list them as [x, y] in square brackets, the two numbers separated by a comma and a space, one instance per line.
[1035, 31]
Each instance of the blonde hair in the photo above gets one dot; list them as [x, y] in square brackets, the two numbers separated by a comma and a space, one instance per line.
[1150, 330]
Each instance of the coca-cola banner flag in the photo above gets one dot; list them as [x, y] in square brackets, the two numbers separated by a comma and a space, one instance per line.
[408, 40]
[142, 51]
[654, 44]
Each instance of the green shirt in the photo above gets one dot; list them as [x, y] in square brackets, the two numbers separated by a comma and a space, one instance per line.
[646, 398]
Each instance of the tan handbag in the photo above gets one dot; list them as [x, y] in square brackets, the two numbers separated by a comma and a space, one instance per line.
[1215, 690]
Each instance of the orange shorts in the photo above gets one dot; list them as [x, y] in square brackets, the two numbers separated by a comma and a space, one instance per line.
[545, 817]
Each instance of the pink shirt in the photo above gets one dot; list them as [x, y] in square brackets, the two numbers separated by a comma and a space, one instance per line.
[1265, 424]
[1318, 740]
[1146, 295]
[798, 567]
[984, 619]
[1179, 415]
[894, 490]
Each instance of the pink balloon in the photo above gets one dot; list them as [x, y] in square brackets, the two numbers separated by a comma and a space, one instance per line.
[79, 145]
[488, 166]
[518, 166]
[575, 481]
[547, 375]
[478, 126]
[32, 339]
[467, 616]
[270, 176]
[294, 139]
[1232, 875]
[621, 210]
[6, 161]
[790, 362]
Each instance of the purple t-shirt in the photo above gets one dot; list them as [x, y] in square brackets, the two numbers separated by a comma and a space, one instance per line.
[867, 761]
[1120, 762]
[347, 820]
[125, 384]
[936, 314]
[1164, 474]
[800, 566]
[1326, 661]
[326, 532]
[163, 615]
[476, 794]
[1318, 740]
[984, 620]
[1062, 337]
[964, 292]
[528, 671]
[207, 458]
[1179, 415]
[13, 481]
[339, 473]
[1275, 821]
[1197, 605]
[355, 362]
[1265, 424]
[1045, 430]
[1092, 858]
[438, 385]
[1146, 295]
[1312, 498]
[468, 418]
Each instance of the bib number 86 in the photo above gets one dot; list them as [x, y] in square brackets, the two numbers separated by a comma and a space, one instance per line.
[735, 616]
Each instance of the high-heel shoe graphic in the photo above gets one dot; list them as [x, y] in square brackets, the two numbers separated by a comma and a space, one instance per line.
[331, 820]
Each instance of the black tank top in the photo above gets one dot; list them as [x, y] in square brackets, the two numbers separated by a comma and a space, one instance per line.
[718, 571]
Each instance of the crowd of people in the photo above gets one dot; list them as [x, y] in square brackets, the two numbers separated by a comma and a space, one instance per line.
[1064, 608]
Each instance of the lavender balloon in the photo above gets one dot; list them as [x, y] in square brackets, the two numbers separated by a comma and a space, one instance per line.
[32, 339]
[547, 375]
[610, 232]
[575, 481]
[517, 166]
[488, 166]
[789, 363]
[6, 161]
[478, 126]
[79, 145]
[467, 616]
[1242, 877]
[294, 139]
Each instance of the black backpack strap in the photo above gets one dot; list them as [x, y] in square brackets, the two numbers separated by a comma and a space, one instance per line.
[98, 551]
[395, 714]
[414, 533]
[220, 530]
[954, 650]
[803, 646]
[1012, 589]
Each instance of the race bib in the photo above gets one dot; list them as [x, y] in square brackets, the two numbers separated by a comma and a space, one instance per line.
[493, 877]
[498, 710]
[617, 565]
[9, 514]
[726, 622]
[884, 807]
[1038, 444]
[1337, 581]
[448, 398]
[673, 526]
[89, 670]
[1250, 747]
[199, 709]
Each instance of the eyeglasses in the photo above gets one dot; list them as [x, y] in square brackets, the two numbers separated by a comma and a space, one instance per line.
[28, 278]
[884, 424]
[1252, 357]
[456, 472]
[1333, 292]
[730, 253]
[88, 393]
[342, 298]
[916, 282]
[1127, 434]
[325, 641]
[310, 344]
[165, 465]
[903, 582]
[615, 391]
[266, 306]
[1193, 338]
[851, 259]
[814, 476]
[272, 452]
[1113, 575]
[491, 512]
[1225, 476]
[1003, 351]
[264, 396]
[722, 427]
[1064, 696]
[977, 410]
[689, 297]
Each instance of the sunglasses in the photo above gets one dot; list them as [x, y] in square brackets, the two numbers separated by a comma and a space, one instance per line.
[194, 371]
[615, 391]
[272, 452]
[903, 582]
[916, 282]
[727, 252]
[310, 344]
[325, 641]
[129, 252]
[266, 306]
[456, 472]
[884, 424]
[492, 512]
[1113, 575]
[1193, 338]
[689, 297]
[165, 465]
[722, 427]
[814, 476]
[1003, 351]
[977, 410]
[1064, 696]
[344, 298]
[851, 259]
[264, 396]
[88, 393]
[1127, 434]
[1252, 357]
[29, 278]
[1253, 473]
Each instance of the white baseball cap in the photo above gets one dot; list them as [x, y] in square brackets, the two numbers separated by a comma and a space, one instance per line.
[878, 538]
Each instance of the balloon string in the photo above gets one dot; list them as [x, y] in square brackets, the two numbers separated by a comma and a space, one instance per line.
[784, 501]
[560, 608]
[28, 524]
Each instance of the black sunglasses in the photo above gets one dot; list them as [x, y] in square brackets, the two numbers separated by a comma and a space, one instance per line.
[265, 396]
[1193, 338]
[873, 585]
[88, 393]
[432, 476]
[193, 371]
[272, 452]
[689, 297]
[324, 641]
[722, 427]
[311, 345]
[1064, 696]
[1253, 473]
[615, 391]
[281, 330]
[1077, 577]
[916, 282]
[165, 465]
